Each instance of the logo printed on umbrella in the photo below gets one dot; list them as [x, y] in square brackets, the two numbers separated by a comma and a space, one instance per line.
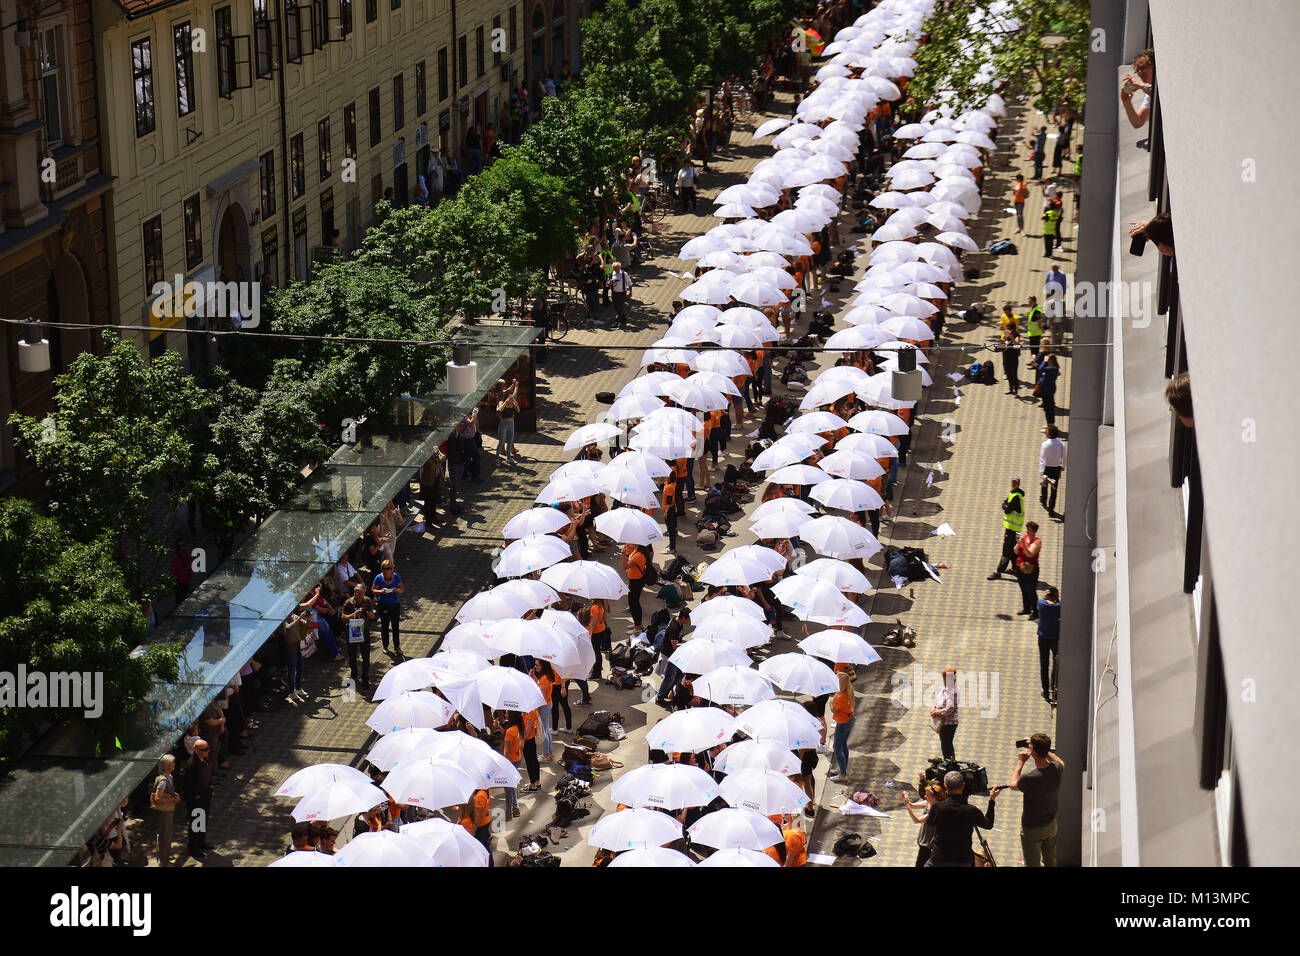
[510, 705]
[654, 799]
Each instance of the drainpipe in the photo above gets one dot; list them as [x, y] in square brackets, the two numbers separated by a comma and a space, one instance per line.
[287, 169]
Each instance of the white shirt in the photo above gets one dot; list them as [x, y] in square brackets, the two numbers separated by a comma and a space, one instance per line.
[686, 176]
[1145, 103]
[1051, 454]
[343, 573]
[1049, 192]
[620, 281]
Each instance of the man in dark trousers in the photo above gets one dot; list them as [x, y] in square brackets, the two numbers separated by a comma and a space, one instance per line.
[953, 821]
[1040, 784]
[1013, 522]
[1011, 364]
[197, 792]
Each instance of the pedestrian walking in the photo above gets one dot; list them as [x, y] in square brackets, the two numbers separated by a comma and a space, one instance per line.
[1029, 547]
[620, 284]
[387, 591]
[636, 560]
[1049, 640]
[1013, 519]
[197, 792]
[1018, 196]
[1051, 464]
[1051, 221]
[359, 612]
[162, 800]
[686, 186]
[1049, 370]
[842, 712]
[507, 409]
[944, 716]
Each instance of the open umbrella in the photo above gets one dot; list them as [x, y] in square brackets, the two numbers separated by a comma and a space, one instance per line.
[418, 708]
[732, 829]
[415, 674]
[652, 383]
[384, 848]
[724, 362]
[837, 537]
[743, 631]
[568, 488]
[521, 637]
[309, 779]
[400, 745]
[628, 526]
[485, 766]
[590, 434]
[733, 686]
[818, 422]
[532, 553]
[732, 569]
[492, 606]
[809, 597]
[763, 791]
[799, 674]
[537, 594]
[535, 521]
[714, 381]
[727, 605]
[429, 782]
[780, 454]
[342, 798]
[689, 731]
[694, 395]
[634, 828]
[782, 723]
[709, 288]
[586, 579]
[299, 859]
[737, 336]
[447, 843]
[631, 407]
[654, 856]
[779, 525]
[627, 485]
[779, 506]
[666, 786]
[846, 494]
[839, 647]
[839, 574]
[701, 655]
[754, 755]
[798, 475]
[849, 464]
[732, 858]
[640, 461]
[858, 337]
[825, 393]
[875, 421]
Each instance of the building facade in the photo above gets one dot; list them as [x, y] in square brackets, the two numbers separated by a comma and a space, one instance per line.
[53, 247]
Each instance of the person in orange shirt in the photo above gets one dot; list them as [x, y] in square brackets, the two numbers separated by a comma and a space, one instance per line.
[1018, 195]
[636, 560]
[513, 747]
[528, 727]
[476, 817]
[545, 678]
[796, 844]
[842, 713]
[598, 628]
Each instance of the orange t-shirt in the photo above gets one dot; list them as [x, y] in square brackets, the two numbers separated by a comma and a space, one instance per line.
[796, 847]
[530, 725]
[514, 745]
[635, 564]
[479, 814]
[842, 708]
[597, 623]
[773, 852]
[545, 684]
[1022, 192]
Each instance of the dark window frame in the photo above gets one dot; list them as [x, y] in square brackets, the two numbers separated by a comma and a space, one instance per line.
[324, 148]
[184, 55]
[154, 265]
[421, 91]
[350, 131]
[192, 212]
[297, 167]
[376, 119]
[266, 182]
[146, 104]
[399, 101]
[444, 75]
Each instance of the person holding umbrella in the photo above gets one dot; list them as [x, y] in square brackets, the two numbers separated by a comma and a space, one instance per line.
[513, 748]
[599, 631]
[476, 817]
[636, 560]
[545, 678]
[842, 707]
[527, 723]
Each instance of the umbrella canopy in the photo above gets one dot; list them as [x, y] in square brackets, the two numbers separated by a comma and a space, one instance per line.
[521, 637]
[384, 848]
[754, 755]
[839, 574]
[493, 606]
[496, 688]
[849, 464]
[590, 434]
[414, 708]
[714, 381]
[694, 395]
[846, 494]
[780, 524]
[743, 631]
[631, 407]
[736, 829]
[878, 422]
[727, 605]
[586, 579]
[449, 844]
[652, 383]
[401, 745]
[818, 422]
[782, 723]
[780, 454]
[734, 686]
[737, 336]
[627, 485]
[567, 488]
[415, 674]
[701, 655]
[763, 791]
[535, 521]
[690, 731]
[582, 468]
[666, 786]
[809, 597]
[958, 241]
[825, 393]
[798, 475]
[799, 674]
[909, 327]
[857, 337]
[839, 647]
[640, 461]
[310, 779]
[633, 829]
[711, 287]
[469, 637]
[309, 858]
[342, 798]
[629, 526]
[732, 569]
[738, 857]
[724, 362]
[531, 554]
[483, 764]
[779, 506]
[654, 856]
[429, 782]
[537, 594]
[837, 537]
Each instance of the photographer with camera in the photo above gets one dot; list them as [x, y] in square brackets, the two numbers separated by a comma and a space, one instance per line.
[1040, 784]
[954, 820]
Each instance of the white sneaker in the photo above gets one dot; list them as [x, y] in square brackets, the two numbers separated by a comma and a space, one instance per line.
[823, 749]
[838, 778]
[302, 696]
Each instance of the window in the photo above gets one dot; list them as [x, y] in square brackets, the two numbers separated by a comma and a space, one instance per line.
[399, 102]
[320, 24]
[442, 75]
[462, 54]
[323, 140]
[395, 4]
[292, 31]
[557, 36]
[350, 131]
[372, 11]
[267, 162]
[480, 60]
[421, 103]
[297, 171]
[262, 37]
[327, 217]
[52, 85]
[193, 233]
[184, 69]
[142, 77]
[153, 255]
[375, 136]
[514, 29]
[225, 53]
[345, 17]
[496, 32]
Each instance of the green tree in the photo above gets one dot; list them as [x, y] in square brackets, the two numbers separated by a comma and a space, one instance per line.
[68, 609]
[117, 453]
[547, 209]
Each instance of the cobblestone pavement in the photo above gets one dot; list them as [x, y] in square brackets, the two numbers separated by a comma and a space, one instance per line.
[966, 622]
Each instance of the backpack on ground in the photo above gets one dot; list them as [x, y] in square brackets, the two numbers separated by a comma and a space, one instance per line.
[597, 724]
[621, 656]
[643, 659]
[1002, 247]
[670, 595]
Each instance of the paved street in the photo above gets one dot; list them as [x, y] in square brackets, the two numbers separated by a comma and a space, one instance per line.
[967, 622]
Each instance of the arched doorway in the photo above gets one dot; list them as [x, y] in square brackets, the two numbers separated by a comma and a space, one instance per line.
[68, 301]
[234, 249]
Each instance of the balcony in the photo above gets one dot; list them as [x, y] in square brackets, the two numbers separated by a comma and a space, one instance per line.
[73, 165]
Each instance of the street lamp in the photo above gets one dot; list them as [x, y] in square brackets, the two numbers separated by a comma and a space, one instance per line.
[905, 383]
[33, 351]
[462, 372]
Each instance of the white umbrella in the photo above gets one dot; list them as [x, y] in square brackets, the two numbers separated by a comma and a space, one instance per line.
[911, 179]
[735, 829]
[779, 525]
[826, 393]
[878, 422]
[732, 569]
[449, 844]
[655, 856]
[818, 422]
[839, 647]
[782, 723]
[754, 755]
[496, 688]
[799, 674]
[733, 858]
[694, 395]
[384, 848]
[532, 553]
[910, 217]
[493, 606]
[808, 597]
[401, 745]
[727, 605]
[798, 130]
[896, 251]
[865, 445]
[724, 362]
[468, 637]
[958, 240]
[802, 219]
[299, 859]
[912, 131]
[908, 327]
[537, 594]
[976, 138]
[864, 315]
[733, 686]
[756, 290]
[748, 194]
[590, 434]
[708, 312]
[892, 231]
[925, 151]
[786, 243]
[429, 782]
[778, 506]
[568, 488]
[586, 579]
[671, 356]
[771, 126]
[848, 464]
[892, 200]
[714, 381]
[781, 454]
[640, 461]
[798, 475]
[627, 485]
[480, 762]
[522, 637]
[631, 407]
[710, 287]
[628, 526]
[535, 521]
[839, 574]
[846, 494]
[743, 631]
[763, 791]
[414, 708]
[415, 674]
[667, 786]
[342, 798]
[837, 537]
[664, 444]
[689, 731]
[770, 558]
[634, 828]
[701, 655]
[733, 210]
[309, 779]
[736, 336]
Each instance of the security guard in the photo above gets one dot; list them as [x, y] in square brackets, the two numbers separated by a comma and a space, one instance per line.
[1051, 222]
[1013, 522]
[1034, 324]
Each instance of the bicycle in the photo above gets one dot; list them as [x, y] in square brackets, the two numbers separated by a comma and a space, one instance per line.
[657, 203]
